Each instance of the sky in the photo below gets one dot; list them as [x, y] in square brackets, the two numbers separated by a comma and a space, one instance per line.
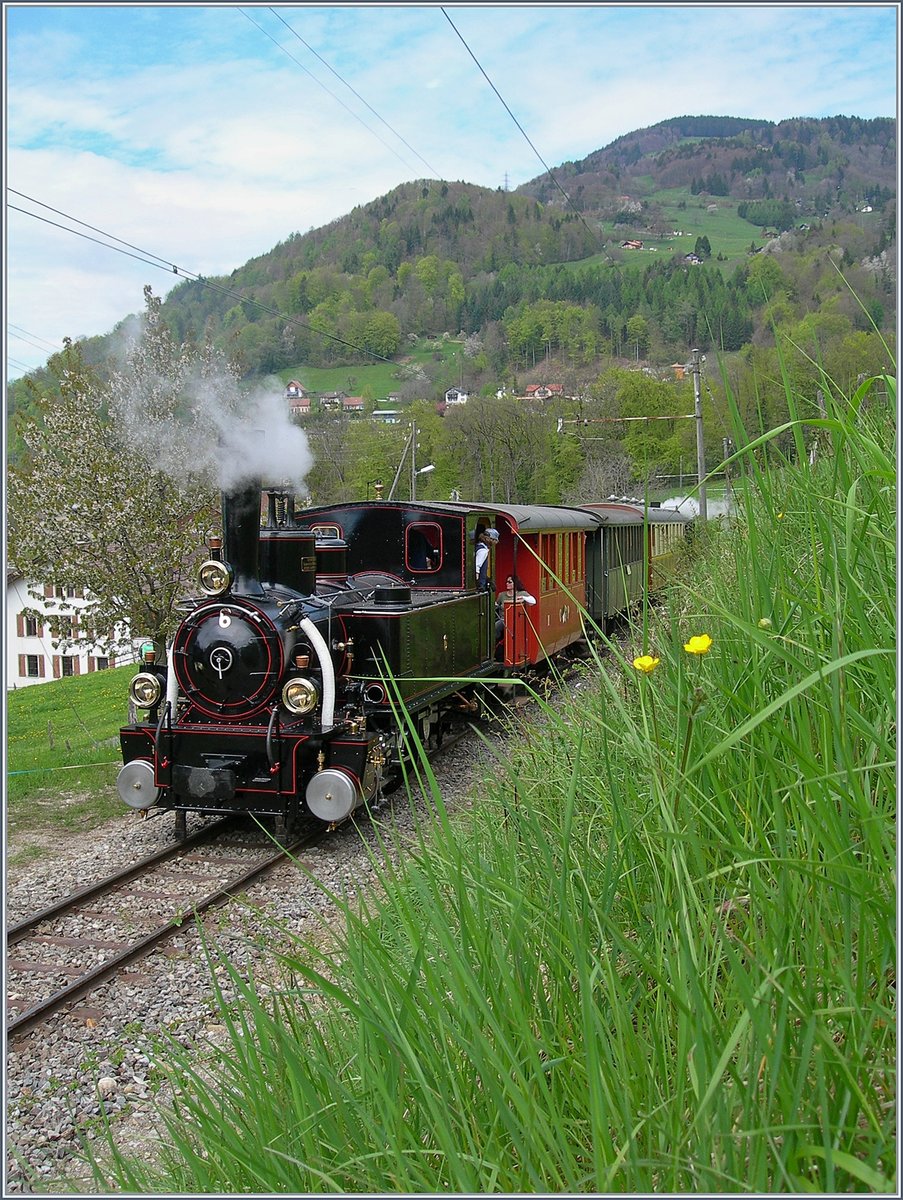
[201, 136]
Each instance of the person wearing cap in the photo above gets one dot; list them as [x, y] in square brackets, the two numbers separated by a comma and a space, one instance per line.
[484, 539]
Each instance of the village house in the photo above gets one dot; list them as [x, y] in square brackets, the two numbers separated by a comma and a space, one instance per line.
[300, 406]
[456, 396]
[332, 401]
[33, 655]
[352, 404]
[542, 391]
[632, 244]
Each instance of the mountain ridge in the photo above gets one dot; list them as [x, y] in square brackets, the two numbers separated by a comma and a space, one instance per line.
[432, 256]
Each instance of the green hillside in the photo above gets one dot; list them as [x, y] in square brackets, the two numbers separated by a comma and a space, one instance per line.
[437, 284]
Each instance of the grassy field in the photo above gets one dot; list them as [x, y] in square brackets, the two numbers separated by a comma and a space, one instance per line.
[729, 234]
[379, 380]
[62, 753]
[659, 954]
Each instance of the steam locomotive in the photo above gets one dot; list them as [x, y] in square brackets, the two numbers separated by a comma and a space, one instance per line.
[328, 640]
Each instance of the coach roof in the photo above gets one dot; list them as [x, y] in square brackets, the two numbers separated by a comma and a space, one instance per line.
[527, 518]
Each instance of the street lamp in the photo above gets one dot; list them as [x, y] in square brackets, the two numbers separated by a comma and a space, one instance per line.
[420, 471]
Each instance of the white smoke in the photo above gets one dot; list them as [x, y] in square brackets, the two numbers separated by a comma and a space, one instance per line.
[194, 423]
[262, 444]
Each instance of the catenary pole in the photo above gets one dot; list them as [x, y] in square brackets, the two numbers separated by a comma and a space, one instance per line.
[696, 362]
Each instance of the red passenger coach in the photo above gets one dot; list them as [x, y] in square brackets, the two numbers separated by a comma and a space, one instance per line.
[545, 547]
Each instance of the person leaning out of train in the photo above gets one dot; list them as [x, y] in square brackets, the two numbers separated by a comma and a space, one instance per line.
[484, 540]
[515, 593]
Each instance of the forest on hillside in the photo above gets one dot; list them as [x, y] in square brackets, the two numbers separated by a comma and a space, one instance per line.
[734, 237]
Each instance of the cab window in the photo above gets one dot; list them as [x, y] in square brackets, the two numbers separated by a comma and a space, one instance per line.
[423, 547]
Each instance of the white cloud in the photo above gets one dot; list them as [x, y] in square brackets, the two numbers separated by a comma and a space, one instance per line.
[188, 132]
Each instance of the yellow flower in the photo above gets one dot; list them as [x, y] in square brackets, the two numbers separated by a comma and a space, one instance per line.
[701, 644]
[780, 516]
[646, 663]
[765, 622]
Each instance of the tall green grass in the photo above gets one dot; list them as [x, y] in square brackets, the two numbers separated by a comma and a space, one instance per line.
[62, 740]
[659, 954]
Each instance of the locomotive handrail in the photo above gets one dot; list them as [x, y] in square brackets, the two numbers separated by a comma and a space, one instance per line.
[274, 718]
[164, 716]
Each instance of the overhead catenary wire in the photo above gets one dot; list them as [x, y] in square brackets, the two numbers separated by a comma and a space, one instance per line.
[325, 88]
[26, 335]
[549, 172]
[146, 253]
[160, 262]
[294, 31]
[155, 260]
[18, 363]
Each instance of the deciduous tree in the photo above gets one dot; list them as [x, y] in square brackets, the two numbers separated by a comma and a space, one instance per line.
[120, 480]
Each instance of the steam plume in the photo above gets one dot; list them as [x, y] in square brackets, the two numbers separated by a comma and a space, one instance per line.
[200, 424]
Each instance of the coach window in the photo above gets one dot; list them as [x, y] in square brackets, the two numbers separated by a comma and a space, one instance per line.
[550, 544]
[326, 531]
[423, 547]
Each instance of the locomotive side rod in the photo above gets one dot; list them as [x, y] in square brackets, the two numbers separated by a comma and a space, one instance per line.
[86, 983]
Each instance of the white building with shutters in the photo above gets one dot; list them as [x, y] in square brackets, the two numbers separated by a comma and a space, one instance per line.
[33, 654]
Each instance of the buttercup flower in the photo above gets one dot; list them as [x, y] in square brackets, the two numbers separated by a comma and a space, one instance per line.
[700, 644]
[780, 516]
[646, 663]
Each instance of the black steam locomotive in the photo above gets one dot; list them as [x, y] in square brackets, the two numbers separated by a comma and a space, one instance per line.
[328, 640]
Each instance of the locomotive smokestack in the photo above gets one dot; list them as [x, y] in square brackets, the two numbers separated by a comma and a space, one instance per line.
[241, 536]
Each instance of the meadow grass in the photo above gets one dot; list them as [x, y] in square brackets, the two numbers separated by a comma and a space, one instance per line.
[62, 751]
[380, 379]
[658, 955]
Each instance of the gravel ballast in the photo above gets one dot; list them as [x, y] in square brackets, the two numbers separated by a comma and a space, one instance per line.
[103, 1051]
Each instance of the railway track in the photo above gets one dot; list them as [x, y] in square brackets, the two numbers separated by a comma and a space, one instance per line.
[64, 952]
[59, 955]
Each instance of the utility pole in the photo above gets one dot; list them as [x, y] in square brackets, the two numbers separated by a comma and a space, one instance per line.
[695, 366]
[415, 470]
[413, 462]
[404, 455]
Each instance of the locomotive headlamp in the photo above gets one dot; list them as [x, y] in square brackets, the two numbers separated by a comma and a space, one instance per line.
[300, 696]
[145, 690]
[215, 577]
